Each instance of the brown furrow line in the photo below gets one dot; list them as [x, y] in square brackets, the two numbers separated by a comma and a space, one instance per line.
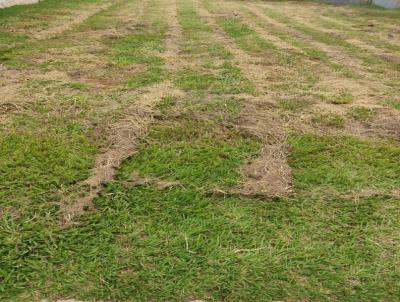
[75, 20]
[333, 53]
[386, 32]
[174, 40]
[366, 89]
[278, 42]
[269, 175]
[127, 132]
[124, 141]
[12, 80]
[306, 17]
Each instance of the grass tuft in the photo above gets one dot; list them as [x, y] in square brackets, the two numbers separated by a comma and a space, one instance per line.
[362, 113]
[329, 119]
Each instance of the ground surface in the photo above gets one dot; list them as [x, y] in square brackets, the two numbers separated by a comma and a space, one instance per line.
[174, 150]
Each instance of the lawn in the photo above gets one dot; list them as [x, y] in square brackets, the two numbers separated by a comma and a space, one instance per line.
[199, 150]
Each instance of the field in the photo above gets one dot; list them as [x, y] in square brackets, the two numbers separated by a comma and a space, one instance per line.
[183, 150]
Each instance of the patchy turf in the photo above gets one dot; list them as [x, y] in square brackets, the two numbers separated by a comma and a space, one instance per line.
[199, 150]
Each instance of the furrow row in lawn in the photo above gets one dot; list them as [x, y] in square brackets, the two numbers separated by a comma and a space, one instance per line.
[289, 81]
[52, 101]
[377, 25]
[312, 19]
[269, 174]
[337, 114]
[65, 62]
[267, 27]
[304, 26]
[344, 96]
[380, 40]
[79, 111]
[124, 140]
[20, 24]
[366, 89]
[75, 19]
[155, 47]
[193, 159]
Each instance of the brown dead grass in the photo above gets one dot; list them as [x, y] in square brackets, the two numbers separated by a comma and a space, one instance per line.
[302, 15]
[387, 32]
[78, 17]
[367, 89]
[123, 142]
[125, 134]
[14, 97]
[269, 174]
[387, 123]
[86, 60]
[330, 82]
[235, 10]
[174, 40]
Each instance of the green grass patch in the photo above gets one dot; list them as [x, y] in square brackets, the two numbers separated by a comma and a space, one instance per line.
[8, 40]
[197, 34]
[190, 21]
[228, 107]
[141, 48]
[193, 153]
[178, 244]
[343, 97]
[329, 119]
[243, 35]
[344, 163]
[293, 104]
[216, 50]
[78, 86]
[394, 104]
[362, 113]
[212, 76]
[220, 109]
[150, 76]
[34, 163]
[166, 103]
[227, 79]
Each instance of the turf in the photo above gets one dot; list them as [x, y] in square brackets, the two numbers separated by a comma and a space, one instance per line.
[172, 224]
